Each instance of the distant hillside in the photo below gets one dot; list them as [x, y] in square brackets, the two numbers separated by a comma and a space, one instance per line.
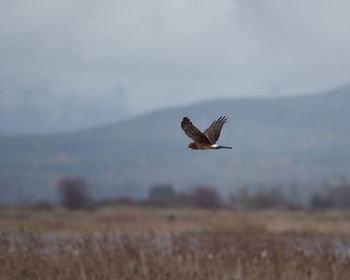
[277, 140]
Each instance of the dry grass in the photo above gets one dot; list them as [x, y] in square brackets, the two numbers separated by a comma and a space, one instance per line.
[169, 221]
[144, 243]
[184, 256]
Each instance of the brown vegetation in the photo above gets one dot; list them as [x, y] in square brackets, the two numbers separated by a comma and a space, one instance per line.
[156, 243]
[185, 256]
[138, 220]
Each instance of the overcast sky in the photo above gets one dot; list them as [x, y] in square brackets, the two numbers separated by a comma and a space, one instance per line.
[66, 64]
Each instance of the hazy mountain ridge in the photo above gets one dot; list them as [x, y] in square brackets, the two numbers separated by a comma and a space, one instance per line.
[293, 139]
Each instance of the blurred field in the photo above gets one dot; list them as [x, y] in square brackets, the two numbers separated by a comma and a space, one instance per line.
[155, 243]
[142, 220]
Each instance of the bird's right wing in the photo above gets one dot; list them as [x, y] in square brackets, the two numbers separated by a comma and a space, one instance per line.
[193, 132]
[214, 130]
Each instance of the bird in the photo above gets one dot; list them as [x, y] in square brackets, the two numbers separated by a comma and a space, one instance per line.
[204, 140]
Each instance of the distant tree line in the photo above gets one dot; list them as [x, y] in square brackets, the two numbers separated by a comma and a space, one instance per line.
[74, 194]
[335, 195]
[274, 198]
[201, 197]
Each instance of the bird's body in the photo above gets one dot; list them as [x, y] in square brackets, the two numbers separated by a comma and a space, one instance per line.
[204, 140]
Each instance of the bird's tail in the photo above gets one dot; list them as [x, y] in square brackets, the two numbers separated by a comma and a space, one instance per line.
[224, 147]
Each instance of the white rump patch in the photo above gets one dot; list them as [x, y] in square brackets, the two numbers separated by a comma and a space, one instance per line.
[215, 145]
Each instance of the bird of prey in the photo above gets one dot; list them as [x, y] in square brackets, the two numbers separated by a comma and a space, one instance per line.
[204, 140]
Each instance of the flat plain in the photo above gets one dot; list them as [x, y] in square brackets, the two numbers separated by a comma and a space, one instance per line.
[173, 243]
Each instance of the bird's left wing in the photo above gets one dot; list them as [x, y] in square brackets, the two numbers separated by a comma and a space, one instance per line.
[193, 132]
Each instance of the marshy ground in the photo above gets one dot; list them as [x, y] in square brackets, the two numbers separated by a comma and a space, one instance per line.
[162, 243]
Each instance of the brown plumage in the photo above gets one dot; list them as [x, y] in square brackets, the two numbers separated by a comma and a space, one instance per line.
[206, 140]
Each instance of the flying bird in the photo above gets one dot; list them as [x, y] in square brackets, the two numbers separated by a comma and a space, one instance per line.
[204, 140]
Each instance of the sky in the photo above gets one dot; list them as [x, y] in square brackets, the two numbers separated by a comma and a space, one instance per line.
[72, 64]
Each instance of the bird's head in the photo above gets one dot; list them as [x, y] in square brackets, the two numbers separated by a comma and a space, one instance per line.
[193, 146]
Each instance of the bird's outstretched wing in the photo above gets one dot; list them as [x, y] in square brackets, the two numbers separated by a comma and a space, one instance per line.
[193, 132]
[214, 130]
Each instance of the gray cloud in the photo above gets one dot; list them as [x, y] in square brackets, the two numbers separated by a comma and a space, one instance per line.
[161, 53]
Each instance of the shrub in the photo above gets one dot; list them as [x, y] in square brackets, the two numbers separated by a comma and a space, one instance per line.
[73, 192]
[205, 197]
[162, 194]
